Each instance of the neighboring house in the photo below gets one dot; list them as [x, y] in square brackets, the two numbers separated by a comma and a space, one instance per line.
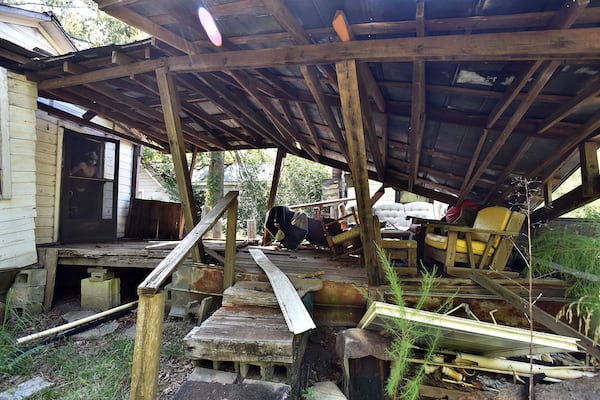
[42, 198]
[149, 186]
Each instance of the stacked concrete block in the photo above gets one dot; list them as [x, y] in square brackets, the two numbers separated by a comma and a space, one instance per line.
[27, 292]
[100, 291]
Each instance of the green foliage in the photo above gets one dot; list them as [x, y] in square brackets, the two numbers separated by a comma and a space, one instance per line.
[162, 164]
[84, 22]
[14, 360]
[308, 393]
[253, 196]
[579, 253]
[401, 384]
[102, 373]
[301, 181]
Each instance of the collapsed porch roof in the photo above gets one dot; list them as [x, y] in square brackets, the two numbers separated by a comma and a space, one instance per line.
[457, 96]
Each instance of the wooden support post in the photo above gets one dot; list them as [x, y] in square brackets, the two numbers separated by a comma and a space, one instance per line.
[588, 158]
[350, 96]
[146, 351]
[49, 259]
[230, 245]
[548, 193]
[274, 185]
[171, 107]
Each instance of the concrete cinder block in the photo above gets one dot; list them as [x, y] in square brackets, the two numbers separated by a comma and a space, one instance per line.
[26, 309]
[100, 295]
[100, 274]
[30, 277]
[28, 294]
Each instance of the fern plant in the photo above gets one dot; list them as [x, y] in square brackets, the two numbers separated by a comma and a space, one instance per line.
[578, 253]
[404, 383]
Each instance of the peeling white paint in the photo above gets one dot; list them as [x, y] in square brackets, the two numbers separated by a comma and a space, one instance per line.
[474, 78]
[586, 70]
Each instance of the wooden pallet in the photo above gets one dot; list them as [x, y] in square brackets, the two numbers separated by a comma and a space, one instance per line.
[249, 330]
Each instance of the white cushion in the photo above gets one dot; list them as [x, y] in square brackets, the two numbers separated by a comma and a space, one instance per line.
[393, 214]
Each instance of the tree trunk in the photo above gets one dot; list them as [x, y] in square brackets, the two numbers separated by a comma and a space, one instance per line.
[215, 185]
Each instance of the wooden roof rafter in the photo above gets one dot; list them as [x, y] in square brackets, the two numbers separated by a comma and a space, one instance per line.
[563, 19]
[310, 127]
[297, 136]
[417, 113]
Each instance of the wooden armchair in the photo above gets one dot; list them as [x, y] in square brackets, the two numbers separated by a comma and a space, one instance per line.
[484, 244]
[397, 248]
[341, 240]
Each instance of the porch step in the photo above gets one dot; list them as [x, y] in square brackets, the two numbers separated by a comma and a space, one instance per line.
[248, 335]
[250, 293]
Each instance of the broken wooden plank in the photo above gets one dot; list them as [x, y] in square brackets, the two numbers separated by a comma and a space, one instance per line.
[296, 316]
[473, 336]
[539, 315]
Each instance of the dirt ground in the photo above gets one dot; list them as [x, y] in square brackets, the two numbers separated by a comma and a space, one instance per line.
[320, 362]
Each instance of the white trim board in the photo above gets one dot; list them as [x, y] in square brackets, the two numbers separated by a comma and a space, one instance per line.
[468, 335]
[296, 316]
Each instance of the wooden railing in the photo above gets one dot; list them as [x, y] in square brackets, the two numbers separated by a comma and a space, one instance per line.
[151, 307]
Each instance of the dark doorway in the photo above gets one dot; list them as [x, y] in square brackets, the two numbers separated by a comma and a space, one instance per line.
[89, 189]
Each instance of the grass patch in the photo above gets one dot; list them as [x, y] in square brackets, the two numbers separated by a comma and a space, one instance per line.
[100, 372]
[85, 369]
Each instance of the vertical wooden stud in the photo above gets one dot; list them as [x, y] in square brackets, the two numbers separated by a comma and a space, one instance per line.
[146, 351]
[588, 157]
[350, 97]
[230, 245]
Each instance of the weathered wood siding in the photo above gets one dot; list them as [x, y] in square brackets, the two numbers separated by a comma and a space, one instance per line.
[125, 185]
[18, 208]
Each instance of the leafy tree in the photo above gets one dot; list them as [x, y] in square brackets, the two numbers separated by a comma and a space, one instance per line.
[84, 22]
[301, 181]
[162, 164]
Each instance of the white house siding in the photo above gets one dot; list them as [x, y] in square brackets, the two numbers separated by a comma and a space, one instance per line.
[48, 166]
[17, 212]
[47, 131]
[148, 188]
[125, 185]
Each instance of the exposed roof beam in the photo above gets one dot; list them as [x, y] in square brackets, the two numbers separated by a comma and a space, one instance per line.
[310, 127]
[417, 112]
[538, 85]
[440, 25]
[287, 132]
[289, 22]
[561, 112]
[314, 86]
[84, 122]
[563, 19]
[580, 44]
[297, 136]
[344, 31]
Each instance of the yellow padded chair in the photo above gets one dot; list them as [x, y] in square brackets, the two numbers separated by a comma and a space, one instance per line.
[485, 243]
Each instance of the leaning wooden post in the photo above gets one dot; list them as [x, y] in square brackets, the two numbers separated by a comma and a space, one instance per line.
[230, 245]
[350, 98]
[146, 350]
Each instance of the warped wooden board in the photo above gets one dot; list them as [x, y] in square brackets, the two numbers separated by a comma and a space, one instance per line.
[296, 316]
[469, 335]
